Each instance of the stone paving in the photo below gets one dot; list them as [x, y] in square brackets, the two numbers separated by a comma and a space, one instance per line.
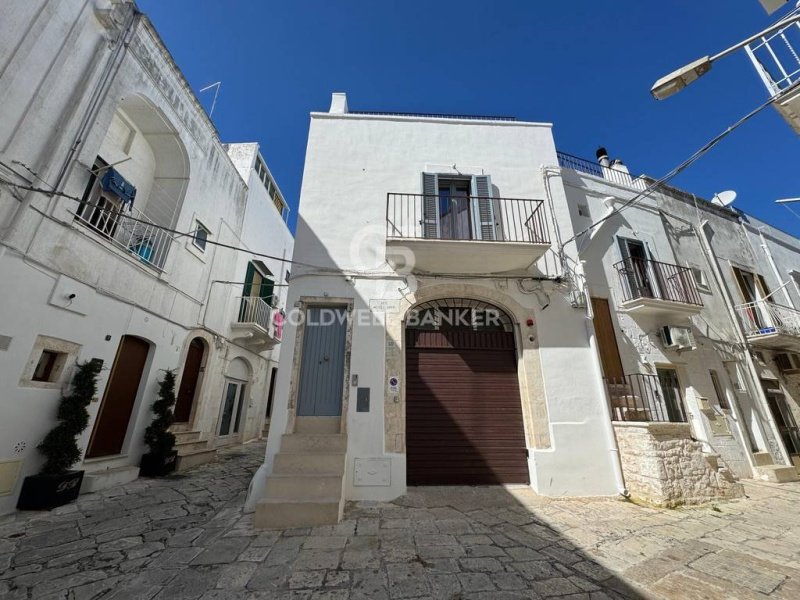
[185, 537]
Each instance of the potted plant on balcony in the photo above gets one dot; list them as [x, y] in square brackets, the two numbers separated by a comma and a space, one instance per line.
[162, 458]
[57, 484]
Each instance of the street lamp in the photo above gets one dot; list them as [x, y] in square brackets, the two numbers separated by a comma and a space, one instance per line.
[677, 80]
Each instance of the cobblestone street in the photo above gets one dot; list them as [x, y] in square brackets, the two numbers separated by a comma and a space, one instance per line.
[185, 537]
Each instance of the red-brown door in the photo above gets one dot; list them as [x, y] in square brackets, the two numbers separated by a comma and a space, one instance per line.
[463, 412]
[191, 374]
[116, 407]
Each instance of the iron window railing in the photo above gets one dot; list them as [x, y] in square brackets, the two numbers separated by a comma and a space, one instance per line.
[642, 278]
[764, 318]
[640, 397]
[421, 216]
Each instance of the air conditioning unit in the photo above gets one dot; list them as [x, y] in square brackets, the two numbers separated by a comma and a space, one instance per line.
[677, 338]
[787, 362]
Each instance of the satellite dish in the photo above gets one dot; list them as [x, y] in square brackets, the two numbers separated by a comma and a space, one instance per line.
[724, 198]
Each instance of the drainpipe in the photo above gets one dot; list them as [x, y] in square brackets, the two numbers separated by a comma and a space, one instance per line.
[760, 397]
[613, 447]
[775, 270]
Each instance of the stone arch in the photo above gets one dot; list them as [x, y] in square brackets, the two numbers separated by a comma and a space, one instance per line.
[195, 357]
[239, 369]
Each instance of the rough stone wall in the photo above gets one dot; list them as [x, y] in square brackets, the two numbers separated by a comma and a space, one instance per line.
[664, 466]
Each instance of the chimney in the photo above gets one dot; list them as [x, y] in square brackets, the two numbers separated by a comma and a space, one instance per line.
[338, 103]
[602, 156]
[618, 165]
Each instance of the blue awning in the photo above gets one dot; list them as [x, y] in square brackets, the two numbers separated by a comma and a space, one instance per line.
[115, 183]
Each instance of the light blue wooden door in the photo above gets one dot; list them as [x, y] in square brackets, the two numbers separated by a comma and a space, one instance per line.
[322, 363]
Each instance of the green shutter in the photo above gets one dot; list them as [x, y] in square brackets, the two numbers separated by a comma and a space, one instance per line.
[267, 288]
[248, 279]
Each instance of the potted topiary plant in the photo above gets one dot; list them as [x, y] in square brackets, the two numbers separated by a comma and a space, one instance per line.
[162, 458]
[57, 484]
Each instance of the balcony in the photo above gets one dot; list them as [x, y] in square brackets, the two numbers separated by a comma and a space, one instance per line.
[776, 59]
[464, 234]
[128, 229]
[257, 325]
[769, 325]
[641, 398]
[659, 289]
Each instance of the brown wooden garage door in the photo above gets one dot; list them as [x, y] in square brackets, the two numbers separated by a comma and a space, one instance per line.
[463, 414]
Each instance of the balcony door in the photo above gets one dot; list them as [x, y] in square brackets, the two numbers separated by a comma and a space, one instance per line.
[639, 275]
[257, 295]
[755, 293]
[459, 208]
[784, 419]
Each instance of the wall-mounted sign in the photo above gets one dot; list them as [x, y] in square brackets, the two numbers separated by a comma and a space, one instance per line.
[384, 305]
[394, 384]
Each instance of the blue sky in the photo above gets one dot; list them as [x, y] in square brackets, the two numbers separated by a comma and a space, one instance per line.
[585, 66]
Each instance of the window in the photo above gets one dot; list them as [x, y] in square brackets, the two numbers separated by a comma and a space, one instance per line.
[700, 278]
[722, 399]
[200, 236]
[232, 406]
[46, 367]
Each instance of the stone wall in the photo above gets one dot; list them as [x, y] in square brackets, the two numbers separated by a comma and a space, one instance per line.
[664, 466]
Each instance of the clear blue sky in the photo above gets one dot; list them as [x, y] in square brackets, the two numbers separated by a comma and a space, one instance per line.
[585, 66]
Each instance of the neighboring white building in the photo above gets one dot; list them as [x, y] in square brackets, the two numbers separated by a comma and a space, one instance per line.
[404, 222]
[674, 351]
[93, 109]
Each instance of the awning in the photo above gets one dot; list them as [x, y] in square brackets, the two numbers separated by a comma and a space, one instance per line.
[115, 183]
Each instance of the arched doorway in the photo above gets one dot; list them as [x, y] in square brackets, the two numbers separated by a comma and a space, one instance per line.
[463, 412]
[187, 391]
[122, 389]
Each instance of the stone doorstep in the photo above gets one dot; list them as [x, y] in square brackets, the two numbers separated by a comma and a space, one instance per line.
[182, 437]
[313, 442]
[194, 458]
[303, 487]
[777, 473]
[309, 463]
[184, 448]
[281, 514]
[94, 481]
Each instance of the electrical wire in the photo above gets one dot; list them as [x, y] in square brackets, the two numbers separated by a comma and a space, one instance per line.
[681, 167]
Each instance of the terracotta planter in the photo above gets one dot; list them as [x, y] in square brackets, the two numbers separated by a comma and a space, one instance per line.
[43, 492]
[158, 465]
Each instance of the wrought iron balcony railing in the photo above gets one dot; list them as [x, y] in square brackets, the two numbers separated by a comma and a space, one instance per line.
[642, 278]
[640, 397]
[129, 229]
[434, 217]
[765, 318]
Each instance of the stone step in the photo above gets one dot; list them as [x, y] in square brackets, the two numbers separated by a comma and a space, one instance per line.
[179, 427]
[303, 488]
[762, 459]
[313, 442]
[277, 514]
[777, 473]
[318, 425]
[185, 448]
[195, 458]
[302, 463]
[94, 481]
[186, 436]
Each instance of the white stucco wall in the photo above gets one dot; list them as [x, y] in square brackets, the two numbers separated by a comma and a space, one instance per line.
[61, 48]
[352, 162]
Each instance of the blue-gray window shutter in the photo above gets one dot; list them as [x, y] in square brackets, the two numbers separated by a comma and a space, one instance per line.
[483, 208]
[430, 206]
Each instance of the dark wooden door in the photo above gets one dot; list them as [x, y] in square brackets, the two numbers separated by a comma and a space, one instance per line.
[188, 387]
[606, 339]
[116, 407]
[463, 411]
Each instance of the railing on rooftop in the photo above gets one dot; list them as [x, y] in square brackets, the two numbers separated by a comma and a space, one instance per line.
[420, 216]
[640, 397]
[614, 175]
[433, 115]
[128, 229]
[765, 318]
[642, 278]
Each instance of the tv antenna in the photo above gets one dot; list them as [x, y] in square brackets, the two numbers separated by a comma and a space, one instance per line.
[217, 85]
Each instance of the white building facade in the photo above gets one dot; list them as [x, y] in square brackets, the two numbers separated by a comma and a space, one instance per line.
[116, 193]
[412, 229]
